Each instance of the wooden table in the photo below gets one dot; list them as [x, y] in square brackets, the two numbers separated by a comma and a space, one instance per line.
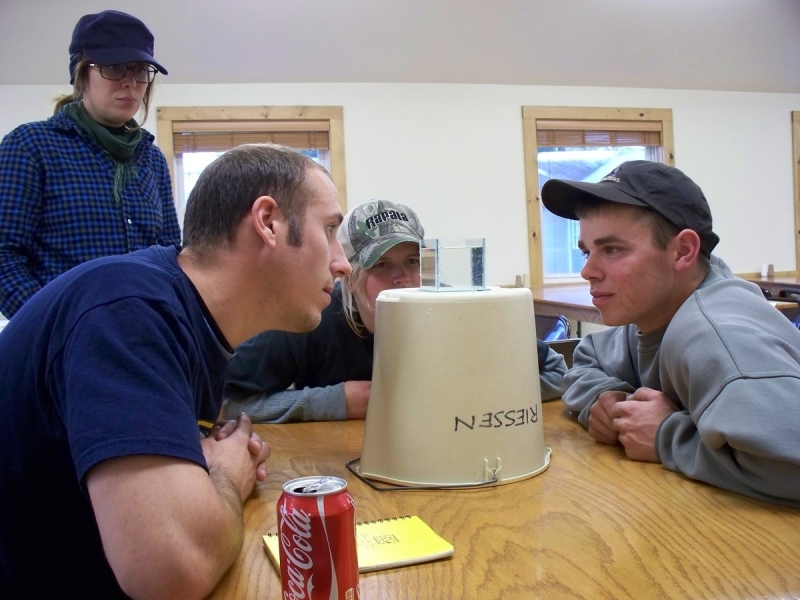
[594, 525]
[573, 301]
[777, 283]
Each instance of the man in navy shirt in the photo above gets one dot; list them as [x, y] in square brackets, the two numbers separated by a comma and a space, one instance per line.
[106, 485]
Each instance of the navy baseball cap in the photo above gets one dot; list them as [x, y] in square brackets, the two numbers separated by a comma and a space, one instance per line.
[111, 38]
[661, 188]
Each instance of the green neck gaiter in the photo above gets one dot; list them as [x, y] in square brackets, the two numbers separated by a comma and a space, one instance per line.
[119, 146]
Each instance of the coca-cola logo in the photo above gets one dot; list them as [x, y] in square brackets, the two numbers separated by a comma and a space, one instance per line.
[295, 532]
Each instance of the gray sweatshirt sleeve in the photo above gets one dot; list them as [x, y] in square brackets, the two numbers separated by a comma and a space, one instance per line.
[601, 362]
[551, 377]
[739, 443]
[308, 404]
[736, 376]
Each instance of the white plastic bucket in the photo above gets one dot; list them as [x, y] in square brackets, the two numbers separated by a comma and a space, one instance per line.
[455, 396]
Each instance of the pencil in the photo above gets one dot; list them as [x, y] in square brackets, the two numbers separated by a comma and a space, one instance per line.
[207, 426]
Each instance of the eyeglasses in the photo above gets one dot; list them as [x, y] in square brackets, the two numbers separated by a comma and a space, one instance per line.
[142, 72]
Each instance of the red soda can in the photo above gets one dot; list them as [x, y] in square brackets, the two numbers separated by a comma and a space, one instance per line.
[317, 532]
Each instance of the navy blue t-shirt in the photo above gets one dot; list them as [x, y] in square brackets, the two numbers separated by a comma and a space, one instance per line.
[113, 358]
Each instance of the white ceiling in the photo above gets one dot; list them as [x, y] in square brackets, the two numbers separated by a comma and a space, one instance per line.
[737, 45]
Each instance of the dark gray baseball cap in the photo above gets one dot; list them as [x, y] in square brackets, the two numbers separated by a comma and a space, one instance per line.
[664, 189]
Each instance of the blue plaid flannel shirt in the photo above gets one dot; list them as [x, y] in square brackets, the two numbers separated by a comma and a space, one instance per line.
[57, 208]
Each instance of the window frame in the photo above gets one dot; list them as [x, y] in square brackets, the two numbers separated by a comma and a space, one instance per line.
[796, 178]
[531, 115]
[166, 115]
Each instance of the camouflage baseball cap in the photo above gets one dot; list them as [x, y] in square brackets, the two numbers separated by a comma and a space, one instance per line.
[371, 229]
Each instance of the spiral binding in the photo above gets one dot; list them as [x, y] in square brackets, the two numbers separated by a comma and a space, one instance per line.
[384, 520]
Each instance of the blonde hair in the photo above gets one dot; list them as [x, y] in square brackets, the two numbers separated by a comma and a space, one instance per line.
[355, 281]
[81, 81]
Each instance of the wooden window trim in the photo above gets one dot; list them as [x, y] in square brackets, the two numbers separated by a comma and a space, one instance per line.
[168, 116]
[248, 126]
[648, 117]
[796, 173]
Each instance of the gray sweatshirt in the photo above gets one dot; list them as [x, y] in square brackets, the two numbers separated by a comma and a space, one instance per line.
[731, 362]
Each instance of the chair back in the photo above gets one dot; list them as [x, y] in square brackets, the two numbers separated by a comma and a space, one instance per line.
[549, 328]
[565, 348]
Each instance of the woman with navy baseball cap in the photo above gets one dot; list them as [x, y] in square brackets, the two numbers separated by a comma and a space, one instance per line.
[89, 181]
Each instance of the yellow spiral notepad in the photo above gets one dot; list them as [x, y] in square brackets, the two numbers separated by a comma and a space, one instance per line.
[386, 544]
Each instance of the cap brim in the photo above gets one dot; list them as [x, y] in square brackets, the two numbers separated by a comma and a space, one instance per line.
[117, 56]
[376, 250]
[560, 196]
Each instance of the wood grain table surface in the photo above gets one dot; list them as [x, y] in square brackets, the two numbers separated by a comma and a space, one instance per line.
[594, 525]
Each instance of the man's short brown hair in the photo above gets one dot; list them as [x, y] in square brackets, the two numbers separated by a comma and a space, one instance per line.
[226, 189]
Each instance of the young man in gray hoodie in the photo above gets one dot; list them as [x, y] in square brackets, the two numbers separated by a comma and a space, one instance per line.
[698, 371]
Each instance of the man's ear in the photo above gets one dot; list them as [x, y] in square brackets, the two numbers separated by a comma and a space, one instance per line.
[687, 248]
[267, 218]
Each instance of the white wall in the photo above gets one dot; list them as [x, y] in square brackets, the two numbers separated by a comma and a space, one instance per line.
[454, 153]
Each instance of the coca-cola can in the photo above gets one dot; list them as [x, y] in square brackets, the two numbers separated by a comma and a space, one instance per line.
[317, 531]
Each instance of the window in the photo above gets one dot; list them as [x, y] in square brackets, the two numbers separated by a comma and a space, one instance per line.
[582, 144]
[191, 137]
